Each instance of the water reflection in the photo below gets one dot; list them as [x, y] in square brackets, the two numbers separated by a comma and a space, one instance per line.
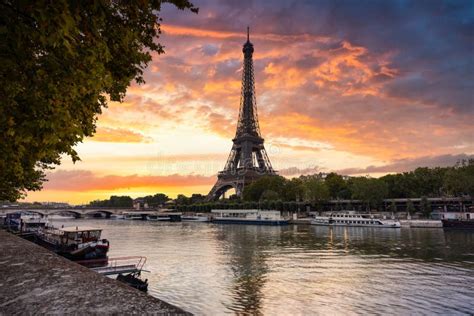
[247, 253]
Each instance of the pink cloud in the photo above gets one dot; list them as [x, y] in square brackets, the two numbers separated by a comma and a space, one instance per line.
[82, 180]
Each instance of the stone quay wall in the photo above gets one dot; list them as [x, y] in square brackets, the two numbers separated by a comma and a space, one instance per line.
[34, 280]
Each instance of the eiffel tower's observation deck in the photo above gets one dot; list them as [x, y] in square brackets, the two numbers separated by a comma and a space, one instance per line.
[248, 159]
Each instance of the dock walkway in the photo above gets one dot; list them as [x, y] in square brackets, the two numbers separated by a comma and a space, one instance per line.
[34, 280]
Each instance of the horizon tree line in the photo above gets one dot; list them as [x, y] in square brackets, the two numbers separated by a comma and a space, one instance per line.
[292, 194]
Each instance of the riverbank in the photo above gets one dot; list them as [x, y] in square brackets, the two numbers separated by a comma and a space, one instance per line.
[37, 281]
[420, 223]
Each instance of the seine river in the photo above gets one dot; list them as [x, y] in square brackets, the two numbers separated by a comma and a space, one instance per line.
[211, 269]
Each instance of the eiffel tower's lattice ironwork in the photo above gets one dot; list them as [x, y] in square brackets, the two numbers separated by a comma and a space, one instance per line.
[248, 159]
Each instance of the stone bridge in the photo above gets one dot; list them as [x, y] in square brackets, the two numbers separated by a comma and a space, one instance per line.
[78, 212]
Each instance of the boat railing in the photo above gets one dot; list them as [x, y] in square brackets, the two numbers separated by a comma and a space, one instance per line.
[119, 265]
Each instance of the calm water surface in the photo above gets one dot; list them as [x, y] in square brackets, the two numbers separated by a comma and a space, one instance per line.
[299, 270]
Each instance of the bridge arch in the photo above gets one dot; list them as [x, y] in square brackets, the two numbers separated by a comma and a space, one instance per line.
[42, 212]
[11, 211]
[93, 212]
[54, 212]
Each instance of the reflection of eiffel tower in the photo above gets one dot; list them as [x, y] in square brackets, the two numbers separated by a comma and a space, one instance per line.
[248, 159]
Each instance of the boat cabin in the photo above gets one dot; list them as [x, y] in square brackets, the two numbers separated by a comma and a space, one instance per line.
[441, 214]
[83, 234]
[25, 222]
[248, 214]
[72, 235]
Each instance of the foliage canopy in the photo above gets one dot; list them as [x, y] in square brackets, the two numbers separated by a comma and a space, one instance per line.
[61, 62]
[422, 182]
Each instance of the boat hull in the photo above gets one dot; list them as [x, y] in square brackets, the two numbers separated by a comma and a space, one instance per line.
[97, 253]
[159, 219]
[357, 225]
[134, 281]
[458, 224]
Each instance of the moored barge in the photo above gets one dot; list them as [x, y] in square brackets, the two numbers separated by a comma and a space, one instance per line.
[75, 243]
[458, 223]
[458, 220]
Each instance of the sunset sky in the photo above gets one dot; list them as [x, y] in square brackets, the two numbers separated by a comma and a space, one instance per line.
[356, 87]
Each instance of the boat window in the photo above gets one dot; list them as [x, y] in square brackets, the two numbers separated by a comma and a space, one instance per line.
[94, 234]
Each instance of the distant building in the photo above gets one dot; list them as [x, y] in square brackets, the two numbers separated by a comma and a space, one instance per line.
[140, 204]
[55, 204]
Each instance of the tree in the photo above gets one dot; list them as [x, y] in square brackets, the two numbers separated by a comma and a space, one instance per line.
[336, 185]
[410, 207]
[316, 190]
[181, 199]
[294, 190]
[156, 200]
[254, 191]
[371, 191]
[61, 61]
[114, 201]
[425, 207]
[459, 180]
[197, 198]
[269, 195]
[398, 185]
[393, 207]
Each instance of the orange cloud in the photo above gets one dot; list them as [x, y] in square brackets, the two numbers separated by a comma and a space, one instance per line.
[119, 135]
[82, 180]
[309, 88]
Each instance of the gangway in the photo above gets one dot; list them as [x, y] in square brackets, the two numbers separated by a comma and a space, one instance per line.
[120, 265]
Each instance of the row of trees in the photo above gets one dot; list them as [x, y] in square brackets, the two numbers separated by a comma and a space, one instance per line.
[114, 201]
[126, 201]
[277, 192]
[61, 62]
[422, 182]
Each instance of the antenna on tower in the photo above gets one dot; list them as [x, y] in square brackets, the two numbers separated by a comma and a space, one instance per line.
[248, 34]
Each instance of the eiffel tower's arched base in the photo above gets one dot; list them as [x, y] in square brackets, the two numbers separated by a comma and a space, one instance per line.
[238, 182]
[223, 186]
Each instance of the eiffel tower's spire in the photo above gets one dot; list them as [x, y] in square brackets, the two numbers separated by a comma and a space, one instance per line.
[248, 159]
[248, 120]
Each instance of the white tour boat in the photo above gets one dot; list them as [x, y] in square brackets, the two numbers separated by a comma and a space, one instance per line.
[256, 217]
[350, 219]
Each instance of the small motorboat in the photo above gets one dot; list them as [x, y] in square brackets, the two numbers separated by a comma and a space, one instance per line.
[133, 279]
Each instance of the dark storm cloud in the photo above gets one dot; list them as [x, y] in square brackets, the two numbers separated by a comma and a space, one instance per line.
[432, 41]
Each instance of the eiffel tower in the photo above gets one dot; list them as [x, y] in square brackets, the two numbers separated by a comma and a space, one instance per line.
[248, 159]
